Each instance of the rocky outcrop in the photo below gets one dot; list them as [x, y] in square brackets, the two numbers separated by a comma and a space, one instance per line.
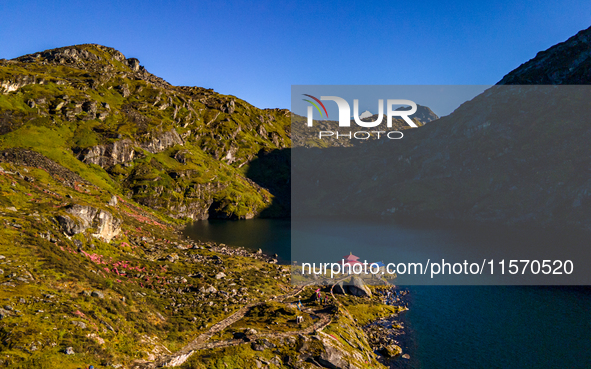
[14, 84]
[196, 209]
[355, 287]
[358, 288]
[119, 114]
[392, 351]
[65, 55]
[334, 357]
[82, 217]
[339, 288]
[567, 63]
[162, 142]
[70, 226]
[133, 63]
[196, 204]
[88, 57]
[123, 151]
[110, 154]
[113, 201]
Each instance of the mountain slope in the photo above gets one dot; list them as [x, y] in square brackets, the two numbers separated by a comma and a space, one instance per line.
[98, 158]
[567, 63]
[181, 150]
[100, 161]
[512, 155]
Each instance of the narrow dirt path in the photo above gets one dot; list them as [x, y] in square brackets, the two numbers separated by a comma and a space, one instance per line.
[200, 342]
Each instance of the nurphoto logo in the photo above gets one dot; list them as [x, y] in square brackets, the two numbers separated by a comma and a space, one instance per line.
[345, 116]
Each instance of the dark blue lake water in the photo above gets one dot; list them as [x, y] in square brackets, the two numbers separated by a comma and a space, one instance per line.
[270, 235]
[459, 326]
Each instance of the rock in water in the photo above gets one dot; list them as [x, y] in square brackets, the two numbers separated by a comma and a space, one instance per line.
[392, 351]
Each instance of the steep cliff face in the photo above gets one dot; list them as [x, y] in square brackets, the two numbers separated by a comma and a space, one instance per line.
[180, 149]
[122, 151]
[109, 154]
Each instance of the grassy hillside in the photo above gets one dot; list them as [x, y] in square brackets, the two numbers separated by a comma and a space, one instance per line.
[181, 150]
[101, 163]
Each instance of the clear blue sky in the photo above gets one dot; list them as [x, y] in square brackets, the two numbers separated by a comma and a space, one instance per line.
[257, 51]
